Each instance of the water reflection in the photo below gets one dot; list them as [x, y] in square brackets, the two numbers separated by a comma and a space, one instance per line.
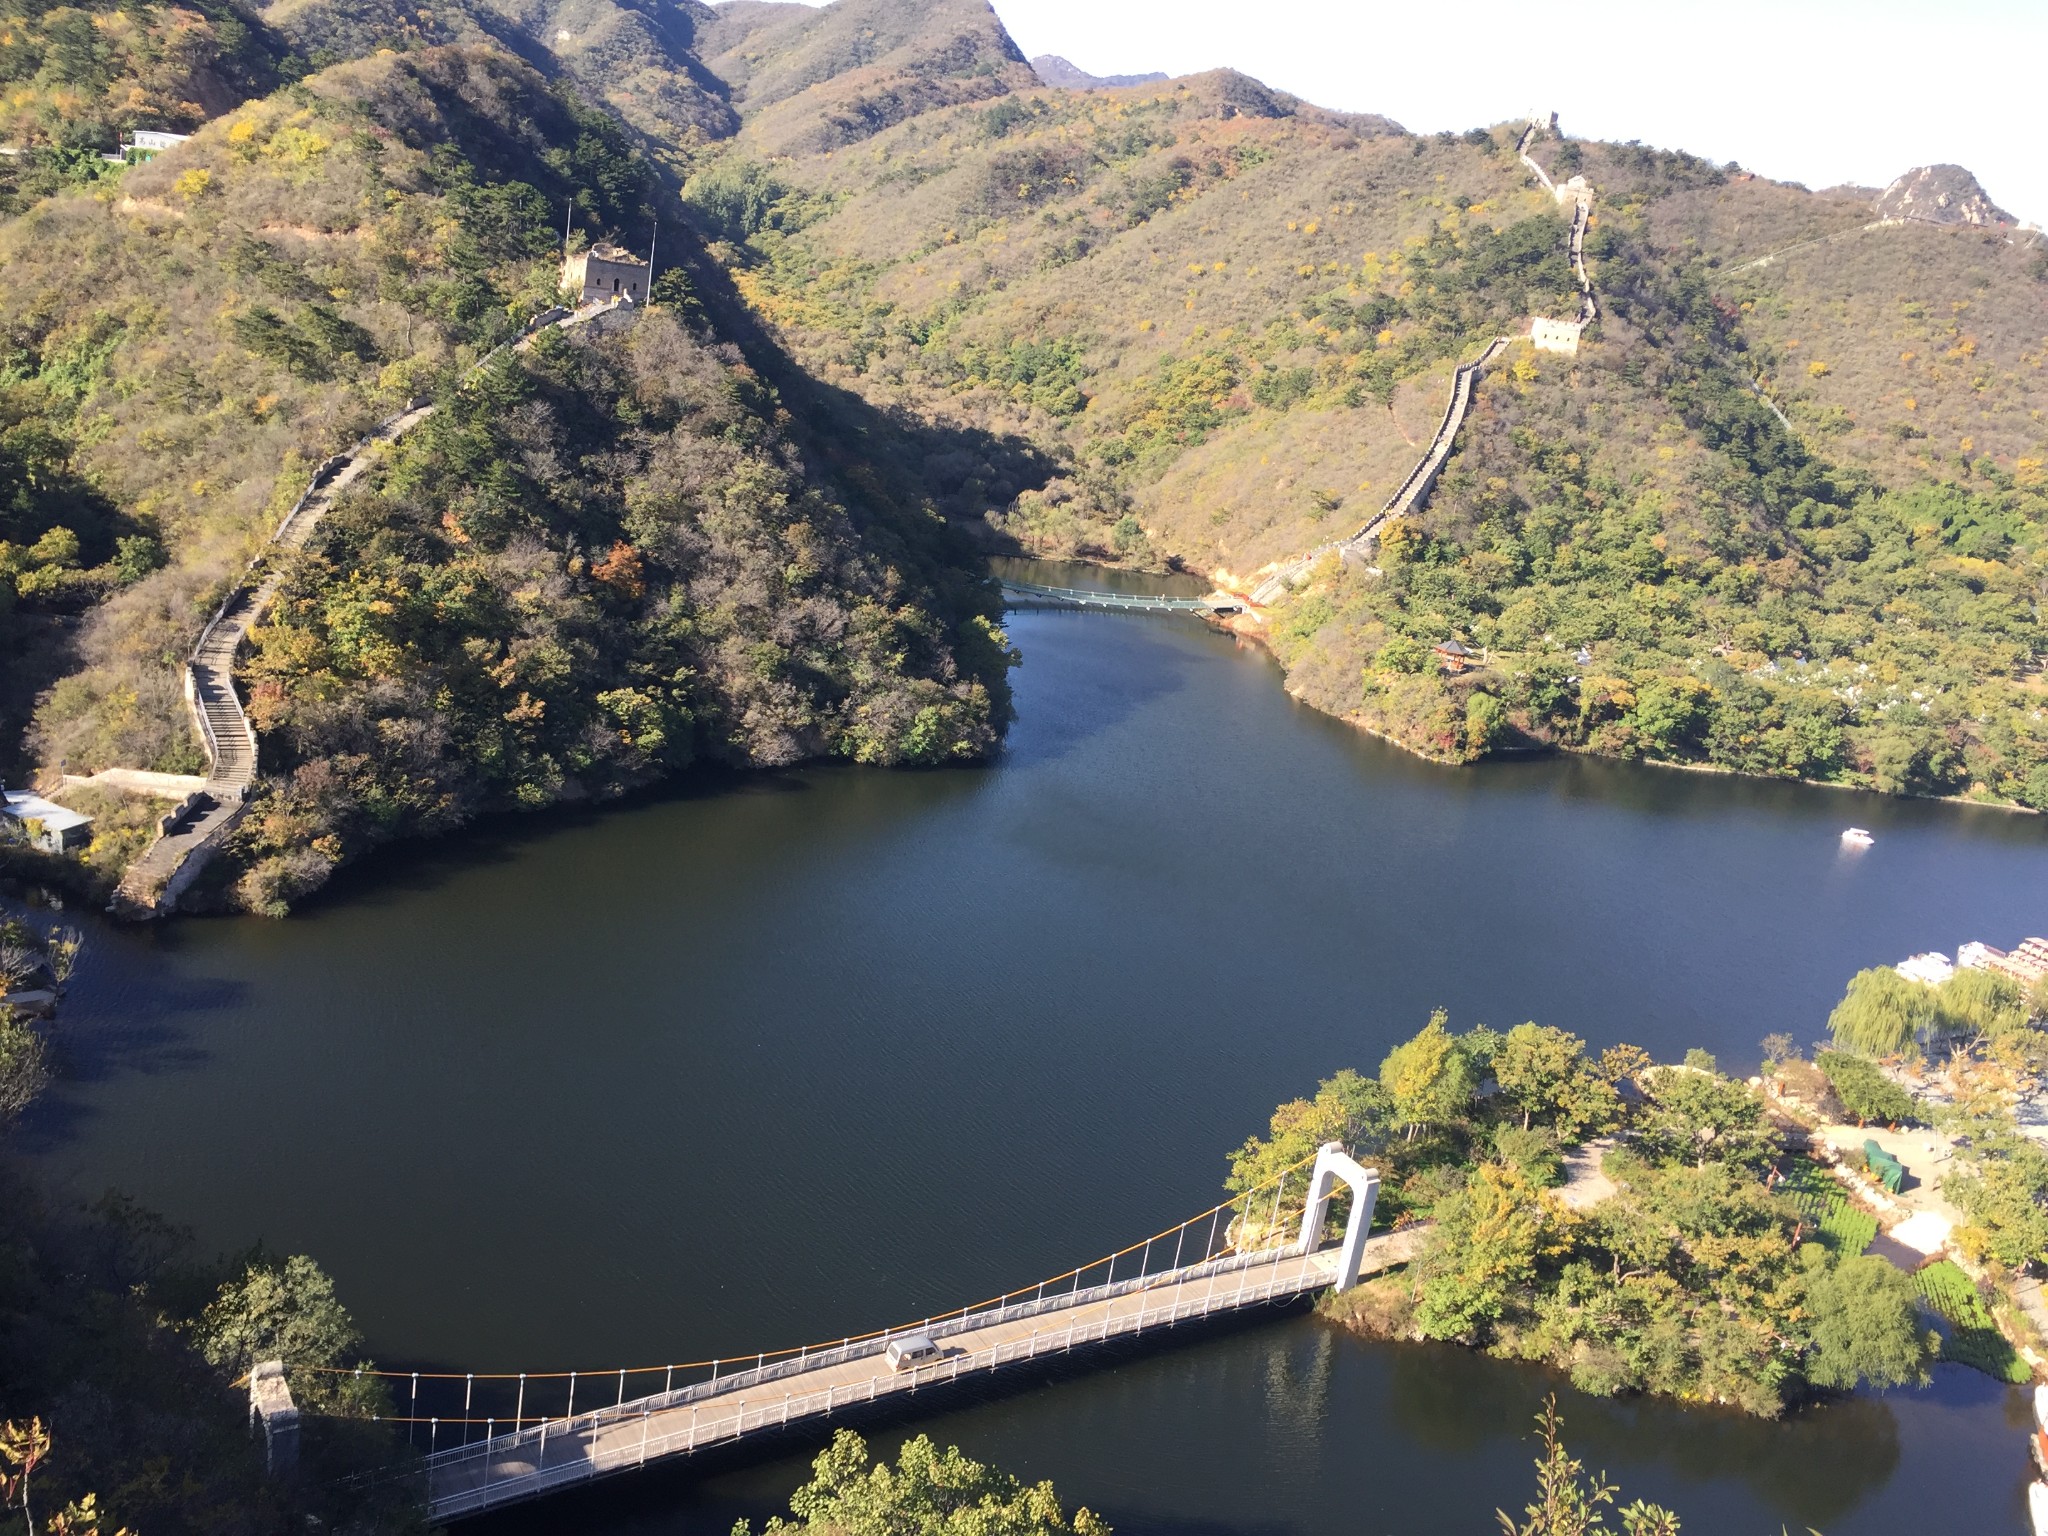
[1295, 1429]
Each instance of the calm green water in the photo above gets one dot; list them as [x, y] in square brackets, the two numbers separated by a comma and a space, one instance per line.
[755, 1063]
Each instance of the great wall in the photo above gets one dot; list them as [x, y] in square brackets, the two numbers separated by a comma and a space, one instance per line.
[191, 834]
[1542, 332]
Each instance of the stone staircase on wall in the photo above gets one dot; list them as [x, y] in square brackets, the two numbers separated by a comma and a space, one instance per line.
[154, 882]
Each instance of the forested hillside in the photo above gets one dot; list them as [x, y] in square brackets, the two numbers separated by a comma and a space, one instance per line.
[598, 563]
[73, 78]
[257, 301]
[1783, 512]
[632, 572]
[1780, 516]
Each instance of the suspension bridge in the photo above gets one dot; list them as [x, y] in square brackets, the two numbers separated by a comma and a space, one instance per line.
[1024, 594]
[517, 1436]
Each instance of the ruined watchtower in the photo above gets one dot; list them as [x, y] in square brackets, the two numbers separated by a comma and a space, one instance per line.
[605, 271]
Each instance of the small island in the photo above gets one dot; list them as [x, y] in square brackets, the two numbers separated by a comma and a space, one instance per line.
[1665, 1228]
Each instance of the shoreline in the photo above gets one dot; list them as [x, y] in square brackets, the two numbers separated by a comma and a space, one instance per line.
[2010, 806]
[1245, 627]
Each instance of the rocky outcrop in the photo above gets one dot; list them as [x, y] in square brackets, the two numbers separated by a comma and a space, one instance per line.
[1068, 76]
[1940, 194]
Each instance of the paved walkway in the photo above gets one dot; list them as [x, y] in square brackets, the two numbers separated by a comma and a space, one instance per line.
[1585, 1185]
[1925, 1154]
[154, 882]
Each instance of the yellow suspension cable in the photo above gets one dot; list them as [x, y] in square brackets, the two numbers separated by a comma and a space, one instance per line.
[774, 1356]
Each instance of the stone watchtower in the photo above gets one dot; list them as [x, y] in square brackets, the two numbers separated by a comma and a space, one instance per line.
[605, 271]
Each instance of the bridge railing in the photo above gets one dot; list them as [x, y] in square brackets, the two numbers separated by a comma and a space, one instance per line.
[1082, 597]
[459, 1407]
[529, 1462]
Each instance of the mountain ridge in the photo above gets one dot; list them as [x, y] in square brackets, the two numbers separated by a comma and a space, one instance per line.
[1230, 319]
[1067, 75]
[1194, 322]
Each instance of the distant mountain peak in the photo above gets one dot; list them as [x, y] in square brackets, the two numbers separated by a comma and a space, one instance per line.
[1940, 194]
[1068, 76]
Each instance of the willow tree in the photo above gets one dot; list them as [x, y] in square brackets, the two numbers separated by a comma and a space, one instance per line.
[1976, 1002]
[1883, 1013]
[1863, 1323]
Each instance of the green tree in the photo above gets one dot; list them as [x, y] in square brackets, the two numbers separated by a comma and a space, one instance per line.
[1401, 653]
[1864, 1090]
[1569, 1503]
[1534, 1152]
[672, 287]
[1883, 1014]
[286, 1310]
[1863, 1321]
[2005, 1198]
[332, 336]
[1912, 758]
[1670, 713]
[736, 200]
[135, 557]
[1488, 1241]
[1981, 1003]
[1481, 1043]
[1702, 1117]
[1347, 1108]
[928, 1492]
[263, 332]
[1537, 1066]
[1429, 1078]
[1486, 723]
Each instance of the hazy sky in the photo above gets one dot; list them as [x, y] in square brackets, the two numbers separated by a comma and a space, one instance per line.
[1815, 91]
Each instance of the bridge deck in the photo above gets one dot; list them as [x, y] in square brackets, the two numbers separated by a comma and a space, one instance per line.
[1025, 594]
[512, 1467]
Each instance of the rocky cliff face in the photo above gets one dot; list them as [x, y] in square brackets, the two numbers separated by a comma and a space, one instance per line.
[1068, 76]
[1940, 194]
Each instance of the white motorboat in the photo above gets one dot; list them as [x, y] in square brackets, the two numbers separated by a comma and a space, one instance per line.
[1856, 837]
[2037, 1507]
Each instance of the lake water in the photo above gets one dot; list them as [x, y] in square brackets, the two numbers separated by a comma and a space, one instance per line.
[757, 1062]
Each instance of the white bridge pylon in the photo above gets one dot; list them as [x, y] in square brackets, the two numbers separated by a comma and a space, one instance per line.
[1332, 1164]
